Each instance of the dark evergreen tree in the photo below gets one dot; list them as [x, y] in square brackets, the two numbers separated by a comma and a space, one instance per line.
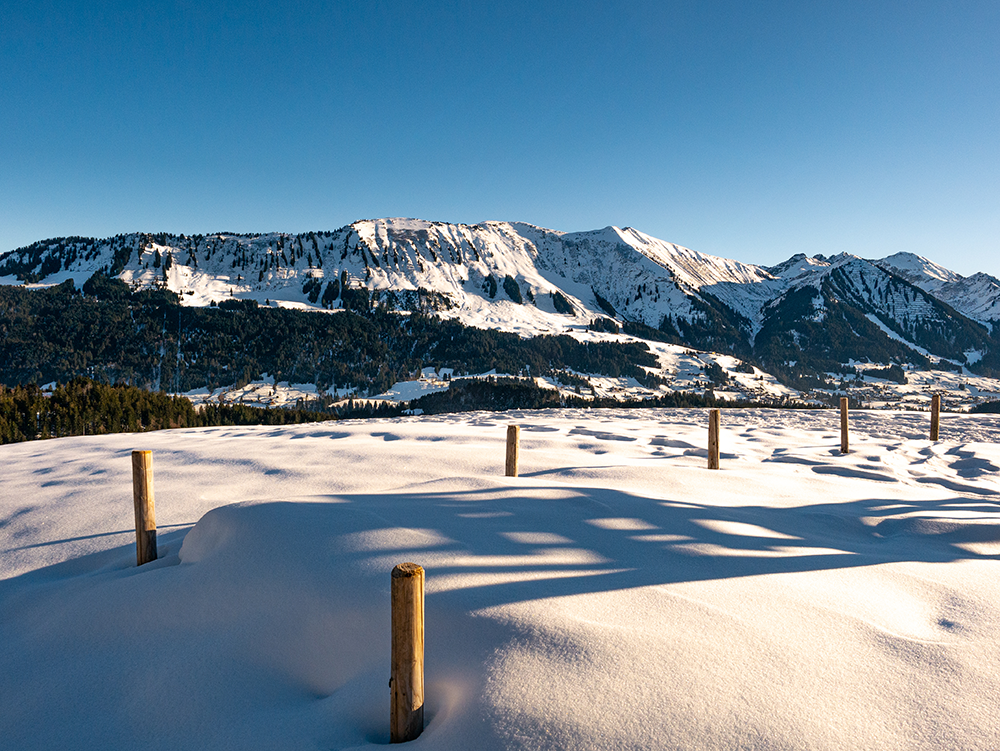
[512, 290]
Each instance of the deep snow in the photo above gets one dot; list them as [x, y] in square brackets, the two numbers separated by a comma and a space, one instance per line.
[616, 595]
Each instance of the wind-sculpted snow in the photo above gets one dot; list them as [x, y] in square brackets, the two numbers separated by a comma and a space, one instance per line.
[616, 595]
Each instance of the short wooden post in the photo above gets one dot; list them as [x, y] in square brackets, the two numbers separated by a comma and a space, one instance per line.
[935, 416]
[513, 448]
[145, 514]
[713, 439]
[844, 444]
[407, 681]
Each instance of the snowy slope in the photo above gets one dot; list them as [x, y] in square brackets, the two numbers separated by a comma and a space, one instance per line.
[616, 595]
[530, 280]
[645, 278]
[863, 283]
[799, 267]
[976, 296]
[847, 287]
[920, 271]
[642, 277]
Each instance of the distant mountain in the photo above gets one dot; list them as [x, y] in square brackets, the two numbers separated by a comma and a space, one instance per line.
[800, 319]
[918, 270]
[976, 296]
[853, 310]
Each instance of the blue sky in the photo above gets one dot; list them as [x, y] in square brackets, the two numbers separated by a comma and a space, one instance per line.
[750, 130]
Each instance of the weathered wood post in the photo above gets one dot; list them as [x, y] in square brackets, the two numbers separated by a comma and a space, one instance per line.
[935, 416]
[145, 514]
[844, 442]
[407, 681]
[713, 439]
[513, 448]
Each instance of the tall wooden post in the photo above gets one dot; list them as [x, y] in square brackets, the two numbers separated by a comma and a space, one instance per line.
[513, 449]
[844, 444]
[935, 416]
[407, 682]
[145, 514]
[713, 439]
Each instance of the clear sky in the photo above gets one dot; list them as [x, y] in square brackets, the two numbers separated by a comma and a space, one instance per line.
[750, 130]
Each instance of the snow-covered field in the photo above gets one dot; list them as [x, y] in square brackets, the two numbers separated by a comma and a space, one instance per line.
[616, 595]
[681, 369]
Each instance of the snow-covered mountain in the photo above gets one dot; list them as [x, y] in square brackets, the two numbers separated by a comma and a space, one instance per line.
[524, 278]
[848, 298]
[479, 272]
[919, 271]
[976, 296]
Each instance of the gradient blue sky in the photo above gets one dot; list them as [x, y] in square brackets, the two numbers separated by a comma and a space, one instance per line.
[751, 130]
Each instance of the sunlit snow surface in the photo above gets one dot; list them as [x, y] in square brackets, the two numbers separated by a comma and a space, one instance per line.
[616, 595]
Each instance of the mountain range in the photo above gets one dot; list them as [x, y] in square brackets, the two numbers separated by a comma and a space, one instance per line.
[801, 320]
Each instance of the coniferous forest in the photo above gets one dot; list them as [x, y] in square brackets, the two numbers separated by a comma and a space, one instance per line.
[148, 345]
[86, 407]
[147, 339]
[133, 346]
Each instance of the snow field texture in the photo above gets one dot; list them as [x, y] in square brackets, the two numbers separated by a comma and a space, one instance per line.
[616, 595]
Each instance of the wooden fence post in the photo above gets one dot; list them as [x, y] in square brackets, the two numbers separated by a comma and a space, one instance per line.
[844, 445]
[935, 416]
[406, 720]
[145, 513]
[713, 439]
[513, 448]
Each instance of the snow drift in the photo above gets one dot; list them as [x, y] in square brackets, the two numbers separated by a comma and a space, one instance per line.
[617, 595]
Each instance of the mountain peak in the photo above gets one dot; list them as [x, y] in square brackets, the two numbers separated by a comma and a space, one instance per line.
[918, 270]
[797, 266]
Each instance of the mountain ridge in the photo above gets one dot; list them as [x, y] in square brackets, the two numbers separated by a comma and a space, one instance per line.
[531, 280]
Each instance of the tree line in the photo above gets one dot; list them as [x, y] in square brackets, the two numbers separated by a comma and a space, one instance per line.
[87, 407]
[112, 334]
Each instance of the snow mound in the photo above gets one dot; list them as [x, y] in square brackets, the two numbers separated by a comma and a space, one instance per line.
[616, 595]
